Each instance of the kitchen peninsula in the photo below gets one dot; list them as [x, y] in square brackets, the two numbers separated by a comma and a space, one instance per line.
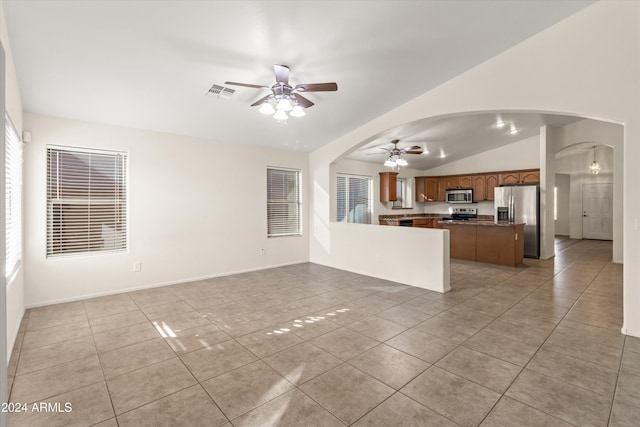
[478, 239]
[486, 241]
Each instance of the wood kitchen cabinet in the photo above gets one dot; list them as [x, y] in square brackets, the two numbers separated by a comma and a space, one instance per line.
[465, 181]
[530, 177]
[462, 241]
[388, 187]
[420, 188]
[489, 243]
[500, 245]
[519, 177]
[444, 183]
[432, 189]
[426, 222]
[427, 189]
[491, 181]
[483, 186]
[451, 182]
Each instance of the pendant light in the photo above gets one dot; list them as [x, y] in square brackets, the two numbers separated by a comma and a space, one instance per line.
[594, 167]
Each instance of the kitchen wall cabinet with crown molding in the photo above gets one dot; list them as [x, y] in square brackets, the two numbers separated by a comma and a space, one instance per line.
[483, 186]
[432, 188]
[426, 189]
[519, 177]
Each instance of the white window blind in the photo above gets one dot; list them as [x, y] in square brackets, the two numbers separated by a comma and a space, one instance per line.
[283, 202]
[13, 198]
[86, 201]
[353, 199]
[400, 190]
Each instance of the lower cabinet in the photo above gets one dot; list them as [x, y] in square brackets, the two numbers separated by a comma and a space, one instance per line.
[503, 245]
[426, 222]
[462, 241]
[492, 244]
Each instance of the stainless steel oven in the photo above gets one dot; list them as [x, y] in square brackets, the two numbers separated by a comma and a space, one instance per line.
[459, 195]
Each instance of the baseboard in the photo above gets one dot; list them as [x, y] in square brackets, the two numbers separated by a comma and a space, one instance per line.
[160, 284]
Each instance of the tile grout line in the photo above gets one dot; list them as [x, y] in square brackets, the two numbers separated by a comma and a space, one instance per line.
[540, 347]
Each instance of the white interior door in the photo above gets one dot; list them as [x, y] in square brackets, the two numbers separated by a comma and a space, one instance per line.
[597, 211]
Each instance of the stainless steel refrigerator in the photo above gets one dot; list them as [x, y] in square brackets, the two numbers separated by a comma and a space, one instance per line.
[521, 204]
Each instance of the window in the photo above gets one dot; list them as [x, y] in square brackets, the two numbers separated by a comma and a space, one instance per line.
[86, 201]
[13, 198]
[283, 202]
[400, 194]
[353, 197]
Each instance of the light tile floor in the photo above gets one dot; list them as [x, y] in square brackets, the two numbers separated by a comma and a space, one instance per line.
[307, 345]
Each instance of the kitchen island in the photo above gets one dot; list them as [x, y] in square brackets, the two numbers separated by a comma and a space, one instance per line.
[486, 241]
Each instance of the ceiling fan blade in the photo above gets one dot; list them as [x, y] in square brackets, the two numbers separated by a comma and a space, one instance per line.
[414, 147]
[261, 100]
[302, 101]
[282, 73]
[316, 87]
[412, 151]
[247, 85]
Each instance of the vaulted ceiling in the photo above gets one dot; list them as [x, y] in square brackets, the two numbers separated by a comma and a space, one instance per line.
[150, 64]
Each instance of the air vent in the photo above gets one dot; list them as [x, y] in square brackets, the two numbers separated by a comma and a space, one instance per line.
[218, 91]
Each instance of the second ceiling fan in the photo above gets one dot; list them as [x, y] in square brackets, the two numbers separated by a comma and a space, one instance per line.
[396, 155]
[284, 99]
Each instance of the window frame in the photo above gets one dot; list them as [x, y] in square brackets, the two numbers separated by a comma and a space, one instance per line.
[13, 199]
[120, 203]
[272, 231]
[401, 193]
[348, 214]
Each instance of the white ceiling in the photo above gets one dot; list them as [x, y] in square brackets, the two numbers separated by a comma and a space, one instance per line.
[446, 139]
[148, 64]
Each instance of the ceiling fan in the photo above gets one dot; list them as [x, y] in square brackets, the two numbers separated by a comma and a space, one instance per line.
[396, 155]
[285, 98]
[395, 151]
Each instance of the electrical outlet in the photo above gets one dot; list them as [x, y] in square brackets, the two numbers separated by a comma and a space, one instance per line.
[261, 251]
[137, 266]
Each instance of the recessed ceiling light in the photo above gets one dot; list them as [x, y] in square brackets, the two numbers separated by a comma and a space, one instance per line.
[499, 124]
[513, 130]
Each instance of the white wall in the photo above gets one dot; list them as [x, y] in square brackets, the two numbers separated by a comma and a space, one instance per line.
[523, 154]
[586, 65]
[563, 182]
[364, 249]
[13, 105]
[191, 215]
[547, 182]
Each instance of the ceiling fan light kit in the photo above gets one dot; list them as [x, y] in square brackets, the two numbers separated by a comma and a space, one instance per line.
[396, 159]
[284, 101]
[594, 167]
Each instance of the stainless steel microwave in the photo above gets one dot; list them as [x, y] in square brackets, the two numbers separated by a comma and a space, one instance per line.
[459, 195]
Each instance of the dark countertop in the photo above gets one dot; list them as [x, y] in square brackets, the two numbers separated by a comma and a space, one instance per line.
[482, 222]
[394, 218]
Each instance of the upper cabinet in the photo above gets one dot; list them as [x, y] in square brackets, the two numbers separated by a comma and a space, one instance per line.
[432, 189]
[531, 176]
[388, 187]
[483, 186]
[491, 183]
[426, 189]
[466, 181]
